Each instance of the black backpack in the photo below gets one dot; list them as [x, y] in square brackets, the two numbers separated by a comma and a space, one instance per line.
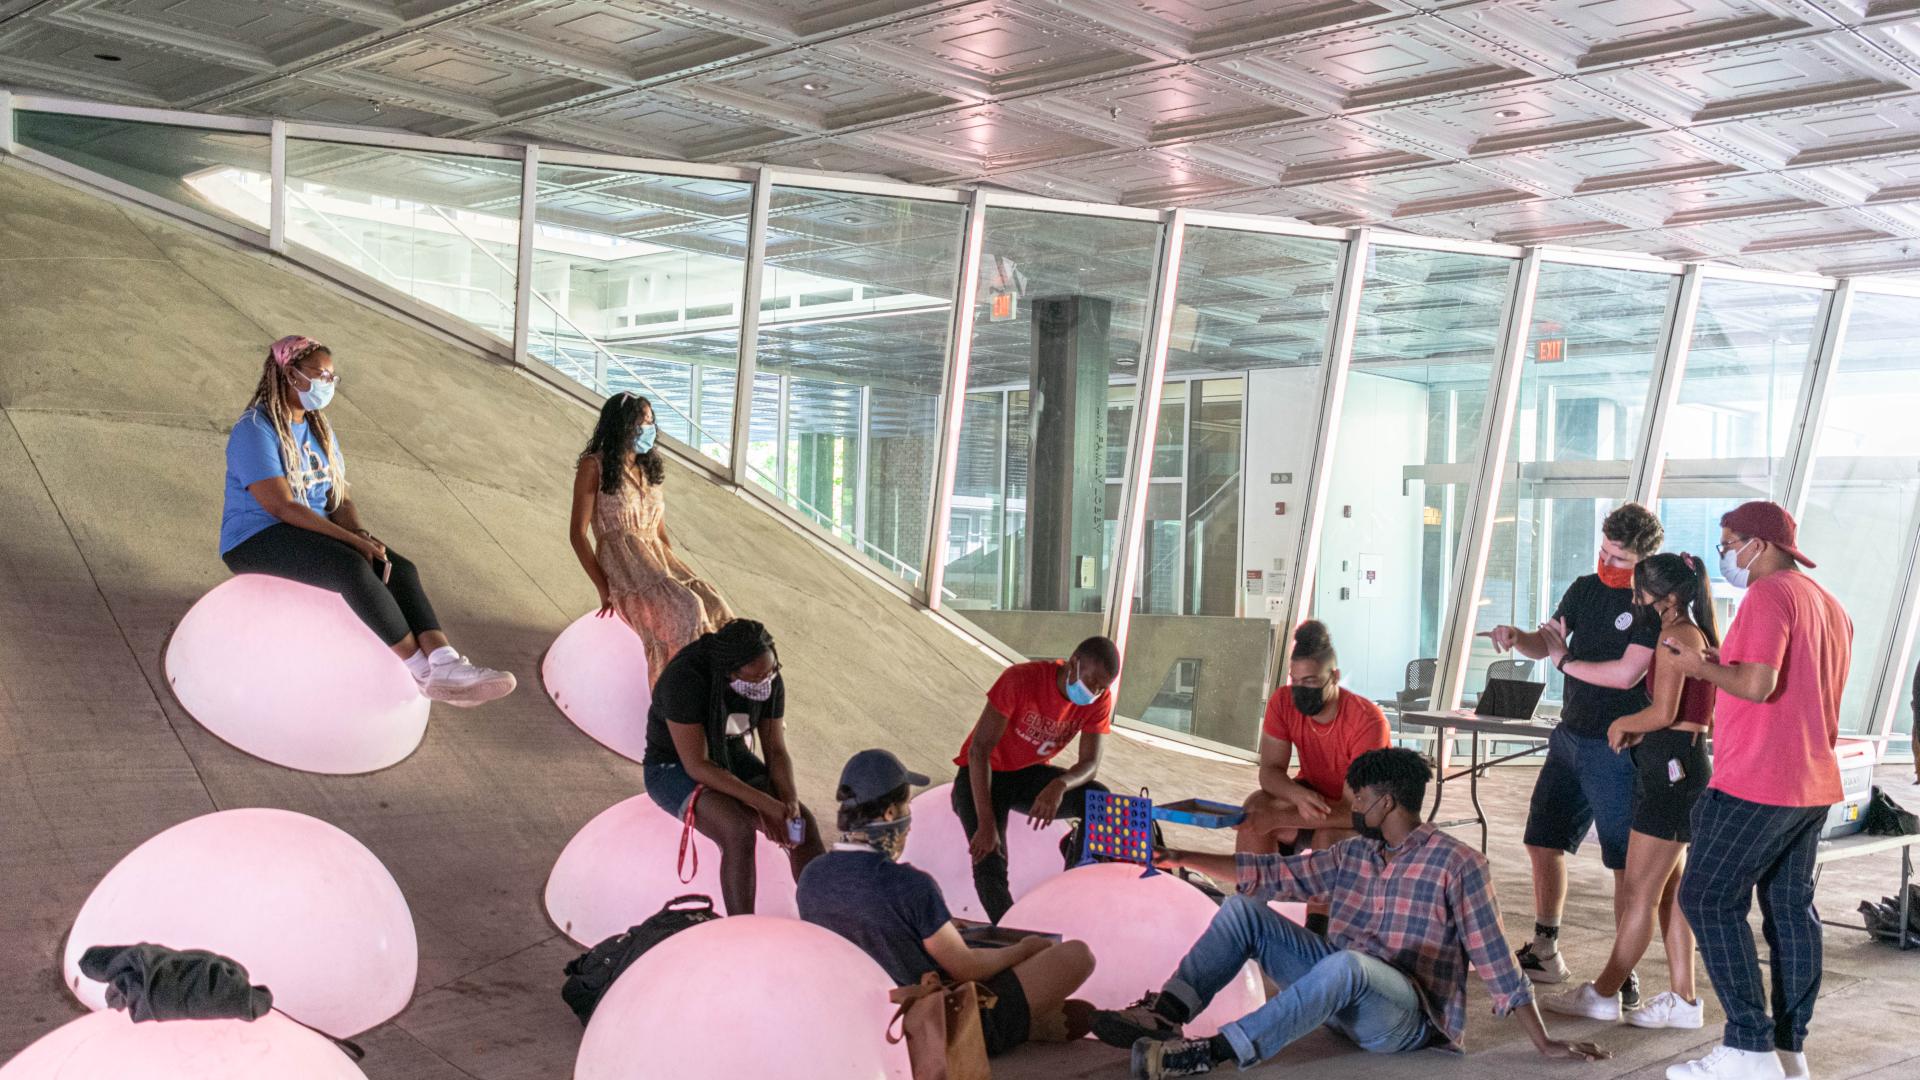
[589, 976]
[153, 982]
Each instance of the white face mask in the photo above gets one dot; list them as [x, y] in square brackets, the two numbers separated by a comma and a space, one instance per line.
[753, 691]
[1731, 569]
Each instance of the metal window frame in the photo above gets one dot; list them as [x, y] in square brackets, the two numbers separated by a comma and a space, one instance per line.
[1815, 390]
[1495, 437]
[1890, 678]
[953, 403]
[523, 256]
[1670, 369]
[6, 121]
[749, 344]
[1136, 478]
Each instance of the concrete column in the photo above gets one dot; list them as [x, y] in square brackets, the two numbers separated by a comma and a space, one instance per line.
[1066, 484]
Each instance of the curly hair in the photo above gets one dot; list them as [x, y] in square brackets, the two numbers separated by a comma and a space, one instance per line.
[1311, 641]
[612, 442]
[270, 397]
[1635, 528]
[1399, 772]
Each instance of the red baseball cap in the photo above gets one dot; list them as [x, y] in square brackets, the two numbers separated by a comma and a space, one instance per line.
[1767, 521]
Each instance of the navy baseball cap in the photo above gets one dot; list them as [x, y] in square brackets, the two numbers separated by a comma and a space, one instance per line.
[871, 774]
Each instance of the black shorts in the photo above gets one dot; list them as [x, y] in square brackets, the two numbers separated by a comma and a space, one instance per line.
[1010, 1022]
[1662, 806]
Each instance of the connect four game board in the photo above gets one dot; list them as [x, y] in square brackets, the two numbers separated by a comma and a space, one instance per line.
[1118, 828]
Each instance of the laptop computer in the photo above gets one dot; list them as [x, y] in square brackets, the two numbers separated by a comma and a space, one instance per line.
[1509, 699]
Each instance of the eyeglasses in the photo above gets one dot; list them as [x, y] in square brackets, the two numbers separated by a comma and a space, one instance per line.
[1734, 546]
[332, 377]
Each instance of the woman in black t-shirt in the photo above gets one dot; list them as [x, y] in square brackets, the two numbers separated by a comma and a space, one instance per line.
[717, 695]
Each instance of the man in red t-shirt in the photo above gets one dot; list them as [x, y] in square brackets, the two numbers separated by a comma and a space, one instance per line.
[1780, 673]
[1327, 727]
[1032, 712]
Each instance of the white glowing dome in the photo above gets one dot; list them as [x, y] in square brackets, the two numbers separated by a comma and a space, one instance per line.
[109, 1044]
[287, 673]
[938, 844]
[623, 866]
[596, 672]
[1139, 929]
[305, 908]
[750, 996]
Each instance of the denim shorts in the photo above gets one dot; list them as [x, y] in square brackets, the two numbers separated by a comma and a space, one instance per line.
[669, 786]
[1583, 782]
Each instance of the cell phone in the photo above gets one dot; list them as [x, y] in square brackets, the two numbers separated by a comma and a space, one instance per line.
[386, 570]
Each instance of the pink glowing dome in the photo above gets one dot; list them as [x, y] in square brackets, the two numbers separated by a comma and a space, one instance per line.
[108, 1044]
[285, 672]
[304, 907]
[1138, 929]
[596, 672]
[744, 997]
[938, 844]
[622, 867]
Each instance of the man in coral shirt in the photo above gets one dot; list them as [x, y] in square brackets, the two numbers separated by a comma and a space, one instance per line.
[1779, 673]
[1033, 711]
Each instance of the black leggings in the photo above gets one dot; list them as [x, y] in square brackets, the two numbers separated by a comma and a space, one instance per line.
[1011, 791]
[392, 609]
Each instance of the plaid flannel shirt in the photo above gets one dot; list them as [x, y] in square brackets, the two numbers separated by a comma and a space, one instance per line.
[1427, 912]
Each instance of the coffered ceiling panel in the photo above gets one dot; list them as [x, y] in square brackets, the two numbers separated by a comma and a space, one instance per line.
[1768, 132]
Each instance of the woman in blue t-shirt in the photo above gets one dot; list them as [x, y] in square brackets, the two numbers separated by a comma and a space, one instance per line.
[287, 515]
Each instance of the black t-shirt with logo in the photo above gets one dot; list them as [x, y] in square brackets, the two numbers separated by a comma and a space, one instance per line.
[1601, 623]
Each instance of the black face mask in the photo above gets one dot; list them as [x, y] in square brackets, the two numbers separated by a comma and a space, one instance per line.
[1309, 699]
[1370, 832]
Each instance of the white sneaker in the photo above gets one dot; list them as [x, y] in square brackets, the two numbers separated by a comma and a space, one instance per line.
[1669, 1010]
[1583, 1000]
[1726, 1063]
[466, 684]
[1794, 1064]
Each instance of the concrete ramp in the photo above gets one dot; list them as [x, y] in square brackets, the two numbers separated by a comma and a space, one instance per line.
[128, 344]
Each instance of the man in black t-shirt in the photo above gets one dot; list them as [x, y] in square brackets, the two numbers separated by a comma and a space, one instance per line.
[897, 915]
[1583, 781]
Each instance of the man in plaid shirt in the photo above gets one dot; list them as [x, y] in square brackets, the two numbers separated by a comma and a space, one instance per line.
[1410, 907]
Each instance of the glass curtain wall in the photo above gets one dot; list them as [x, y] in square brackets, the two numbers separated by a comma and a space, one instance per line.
[1728, 434]
[224, 173]
[1063, 302]
[856, 308]
[636, 287]
[1862, 506]
[1406, 454]
[441, 228]
[1246, 351]
[1584, 381]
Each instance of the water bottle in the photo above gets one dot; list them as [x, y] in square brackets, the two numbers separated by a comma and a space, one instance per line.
[796, 830]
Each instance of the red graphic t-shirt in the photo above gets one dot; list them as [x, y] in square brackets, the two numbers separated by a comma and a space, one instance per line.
[1040, 720]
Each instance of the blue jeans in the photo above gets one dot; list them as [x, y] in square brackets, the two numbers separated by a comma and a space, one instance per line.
[1740, 847]
[1367, 1000]
[1582, 782]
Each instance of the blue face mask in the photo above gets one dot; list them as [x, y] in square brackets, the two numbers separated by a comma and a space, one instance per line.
[643, 439]
[316, 396]
[1078, 693]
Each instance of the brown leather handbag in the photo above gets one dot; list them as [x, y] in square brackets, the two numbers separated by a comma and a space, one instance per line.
[941, 1023]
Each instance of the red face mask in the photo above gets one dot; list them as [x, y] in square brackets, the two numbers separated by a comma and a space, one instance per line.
[1614, 577]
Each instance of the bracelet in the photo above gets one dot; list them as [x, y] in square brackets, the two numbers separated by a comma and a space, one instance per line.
[1560, 665]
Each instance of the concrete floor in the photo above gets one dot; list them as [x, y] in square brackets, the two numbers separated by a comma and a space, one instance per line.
[127, 346]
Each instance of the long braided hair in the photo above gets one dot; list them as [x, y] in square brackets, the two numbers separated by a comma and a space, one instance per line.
[612, 442]
[270, 397]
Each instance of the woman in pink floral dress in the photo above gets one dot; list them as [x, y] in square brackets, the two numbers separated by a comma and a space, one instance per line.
[616, 490]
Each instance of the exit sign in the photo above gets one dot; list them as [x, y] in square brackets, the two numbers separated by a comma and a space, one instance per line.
[1001, 307]
[1550, 350]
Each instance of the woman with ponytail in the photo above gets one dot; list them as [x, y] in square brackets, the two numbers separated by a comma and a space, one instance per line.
[287, 514]
[1667, 742]
[616, 490]
[1312, 717]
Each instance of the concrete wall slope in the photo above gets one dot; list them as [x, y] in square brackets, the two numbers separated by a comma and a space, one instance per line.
[128, 344]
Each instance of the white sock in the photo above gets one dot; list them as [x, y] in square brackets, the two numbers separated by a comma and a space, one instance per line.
[418, 664]
[445, 654]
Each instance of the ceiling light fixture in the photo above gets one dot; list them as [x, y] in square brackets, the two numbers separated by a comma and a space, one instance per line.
[813, 86]
[1507, 114]
[108, 57]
